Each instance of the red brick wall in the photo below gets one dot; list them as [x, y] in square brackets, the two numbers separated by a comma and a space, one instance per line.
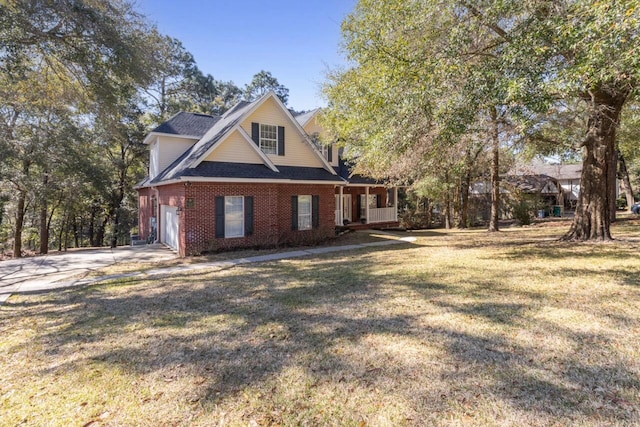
[144, 212]
[272, 215]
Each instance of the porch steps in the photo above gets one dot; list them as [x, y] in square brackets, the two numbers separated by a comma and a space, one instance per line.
[360, 226]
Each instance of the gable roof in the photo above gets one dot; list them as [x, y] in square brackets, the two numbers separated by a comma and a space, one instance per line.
[214, 134]
[193, 125]
[538, 184]
[557, 171]
[187, 165]
[304, 118]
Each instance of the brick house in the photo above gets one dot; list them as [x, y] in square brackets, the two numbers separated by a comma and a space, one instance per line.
[255, 176]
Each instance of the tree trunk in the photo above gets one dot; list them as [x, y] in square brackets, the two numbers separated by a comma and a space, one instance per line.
[463, 221]
[92, 219]
[62, 224]
[447, 210]
[116, 227]
[495, 172]
[592, 219]
[428, 212]
[17, 236]
[44, 230]
[100, 234]
[626, 181]
[613, 175]
[76, 236]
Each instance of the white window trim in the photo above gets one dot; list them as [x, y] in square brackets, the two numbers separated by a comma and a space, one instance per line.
[302, 215]
[323, 148]
[226, 221]
[274, 141]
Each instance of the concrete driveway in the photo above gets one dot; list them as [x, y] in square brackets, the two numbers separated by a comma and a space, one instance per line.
[41, 273]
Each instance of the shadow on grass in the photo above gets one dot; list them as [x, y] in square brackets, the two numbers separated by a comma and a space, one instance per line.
[244, 326]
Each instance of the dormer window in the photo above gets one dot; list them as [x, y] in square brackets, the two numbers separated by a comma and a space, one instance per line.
[269, 139]
[324, 149]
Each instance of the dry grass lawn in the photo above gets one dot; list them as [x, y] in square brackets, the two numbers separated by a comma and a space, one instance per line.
[457, 328]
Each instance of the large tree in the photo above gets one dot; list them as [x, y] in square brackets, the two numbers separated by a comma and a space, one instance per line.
[263, 82]
[58, 61]
[179, 85]
[419, 88]
[421, 60]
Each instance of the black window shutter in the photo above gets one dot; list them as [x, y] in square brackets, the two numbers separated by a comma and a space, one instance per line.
[378, 201]
[359, 205]
[294, 212]
[315, 211]
[248, 215]
[280, 140]
[219, 217]
[330, 153]
[255, 133]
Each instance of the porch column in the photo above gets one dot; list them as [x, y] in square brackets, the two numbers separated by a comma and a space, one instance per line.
[340, 206]
[366, 203]
[395, 203]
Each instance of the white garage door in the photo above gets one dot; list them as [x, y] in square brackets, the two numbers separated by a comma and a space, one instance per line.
[170, 226]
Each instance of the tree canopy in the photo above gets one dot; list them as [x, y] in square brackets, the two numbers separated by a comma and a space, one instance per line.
[425, 73]
[263, 82]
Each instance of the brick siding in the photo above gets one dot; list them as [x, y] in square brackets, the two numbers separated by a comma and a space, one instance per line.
[272, 214]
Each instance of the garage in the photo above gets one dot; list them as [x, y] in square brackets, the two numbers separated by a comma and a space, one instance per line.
[169, 235]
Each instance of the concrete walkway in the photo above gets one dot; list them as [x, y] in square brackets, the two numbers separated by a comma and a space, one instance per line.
[53, 282]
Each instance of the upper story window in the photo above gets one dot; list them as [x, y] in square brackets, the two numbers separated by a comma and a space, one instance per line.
[324, 149]
[269, 139]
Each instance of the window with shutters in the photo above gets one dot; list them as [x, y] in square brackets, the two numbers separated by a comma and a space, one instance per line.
[234, 216]
[304, 213]
[269, 139]
[323, 148]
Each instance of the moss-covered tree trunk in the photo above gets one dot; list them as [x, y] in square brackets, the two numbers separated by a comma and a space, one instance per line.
[592, 219]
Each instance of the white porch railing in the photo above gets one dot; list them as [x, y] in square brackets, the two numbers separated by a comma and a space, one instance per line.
[382, 215]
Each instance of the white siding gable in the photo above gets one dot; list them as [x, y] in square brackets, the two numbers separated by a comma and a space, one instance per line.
[234, 149]
[298, 152]
[312, 127]
[154, 159]
[165, 150]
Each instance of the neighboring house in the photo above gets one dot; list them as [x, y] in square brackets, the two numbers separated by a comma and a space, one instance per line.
[545, 189]
[568, 176]
[255, 176]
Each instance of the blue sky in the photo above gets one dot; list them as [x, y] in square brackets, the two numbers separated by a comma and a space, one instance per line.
[297, 41]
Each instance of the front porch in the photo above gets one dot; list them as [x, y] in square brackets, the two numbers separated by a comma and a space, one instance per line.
[361, 206]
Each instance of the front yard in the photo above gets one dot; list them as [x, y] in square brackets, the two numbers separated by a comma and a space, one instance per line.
[457, 328]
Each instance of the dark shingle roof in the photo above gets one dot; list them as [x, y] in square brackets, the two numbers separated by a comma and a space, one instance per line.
[258, 171]
[532, 183]
[189, 124]
[213, 135]
[344, 170]
[218, 129]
